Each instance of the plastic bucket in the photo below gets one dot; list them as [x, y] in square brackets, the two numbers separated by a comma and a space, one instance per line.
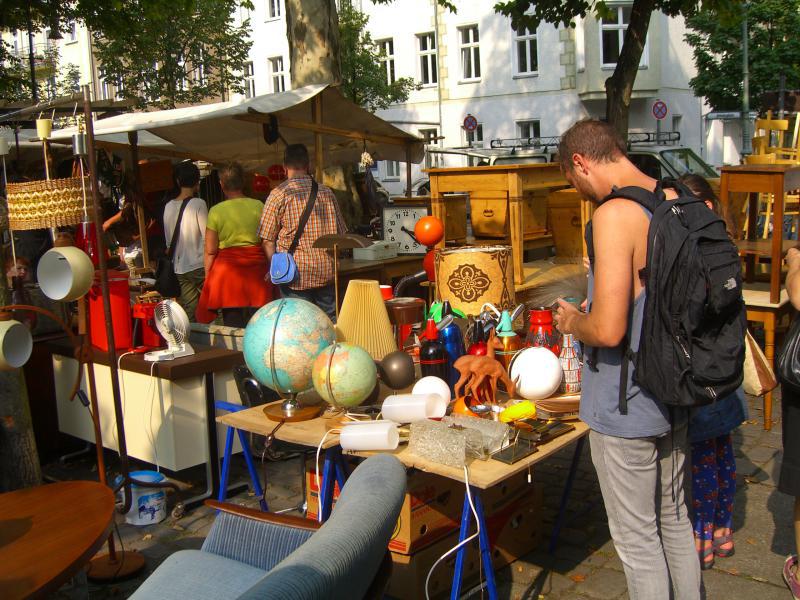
[120, 313]
[149, 505]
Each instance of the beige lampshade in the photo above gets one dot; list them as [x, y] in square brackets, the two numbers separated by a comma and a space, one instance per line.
[470, 276]
[363, 319]
[41, 204]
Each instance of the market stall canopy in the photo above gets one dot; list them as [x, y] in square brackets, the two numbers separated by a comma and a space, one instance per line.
[236, 130]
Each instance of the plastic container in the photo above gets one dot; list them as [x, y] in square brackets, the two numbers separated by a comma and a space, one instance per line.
[408, 408]
[120, 313]
[149, 505]
[373, 435]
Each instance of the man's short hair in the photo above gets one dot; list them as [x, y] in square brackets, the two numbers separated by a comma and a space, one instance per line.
[296, 156]
[232, 176]
[596, 140]
[187, 174]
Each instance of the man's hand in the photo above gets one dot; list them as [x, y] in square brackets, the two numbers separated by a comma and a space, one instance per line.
[565, 317]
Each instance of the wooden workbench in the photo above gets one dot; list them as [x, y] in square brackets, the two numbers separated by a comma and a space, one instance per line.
[518, 191]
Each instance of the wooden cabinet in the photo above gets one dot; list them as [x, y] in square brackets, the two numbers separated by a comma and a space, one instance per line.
[564, 217]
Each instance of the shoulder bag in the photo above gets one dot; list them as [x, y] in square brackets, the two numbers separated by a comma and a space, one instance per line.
[167, 283]
[788, 363]
[282, 268]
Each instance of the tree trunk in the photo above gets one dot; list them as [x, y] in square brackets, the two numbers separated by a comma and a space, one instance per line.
[619, 86]
[19, 460]
[312, 27]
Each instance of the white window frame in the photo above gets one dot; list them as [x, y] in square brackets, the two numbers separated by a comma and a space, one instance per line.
[277, 76]
[472, 49]
[103, 87]
[274, 11]
[199, 71]
[72, 34]
[249, 79]
[620, 28]
[392, 170]
[529, 38]
[387, 60]
[532, 124]
[429, 56]
[474, 139]
[119, 87]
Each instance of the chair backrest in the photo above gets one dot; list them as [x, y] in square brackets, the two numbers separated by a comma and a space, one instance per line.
[760, 159]
[341, 559]
[769, 125]
[251, 393]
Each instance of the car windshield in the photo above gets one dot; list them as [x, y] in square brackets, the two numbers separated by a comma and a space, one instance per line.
[684, 161]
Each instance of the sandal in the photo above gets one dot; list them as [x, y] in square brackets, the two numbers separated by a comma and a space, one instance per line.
[720, 541]
[703, 554]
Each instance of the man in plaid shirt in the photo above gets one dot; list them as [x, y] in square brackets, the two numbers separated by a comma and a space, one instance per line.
[279, 222]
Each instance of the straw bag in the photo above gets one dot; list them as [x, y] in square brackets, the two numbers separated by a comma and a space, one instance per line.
[759, 378]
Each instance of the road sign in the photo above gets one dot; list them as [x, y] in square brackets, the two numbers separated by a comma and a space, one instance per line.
[660, 110]
[470, 123]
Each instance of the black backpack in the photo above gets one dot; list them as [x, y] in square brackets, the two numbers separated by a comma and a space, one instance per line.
[691, 349]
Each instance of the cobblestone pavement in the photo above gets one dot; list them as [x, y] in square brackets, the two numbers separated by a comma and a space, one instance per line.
[585, 564]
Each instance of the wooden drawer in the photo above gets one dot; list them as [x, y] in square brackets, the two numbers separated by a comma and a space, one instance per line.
[489, 217]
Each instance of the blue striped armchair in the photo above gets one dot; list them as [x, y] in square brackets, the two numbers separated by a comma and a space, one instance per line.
[251, 555]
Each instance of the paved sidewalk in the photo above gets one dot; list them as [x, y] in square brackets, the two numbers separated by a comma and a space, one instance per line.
[585, 564]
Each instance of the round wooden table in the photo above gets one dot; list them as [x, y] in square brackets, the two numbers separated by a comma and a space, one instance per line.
[48, 533]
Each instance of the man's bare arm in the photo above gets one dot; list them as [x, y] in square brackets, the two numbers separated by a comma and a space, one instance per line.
[269, 248]
[793, 277]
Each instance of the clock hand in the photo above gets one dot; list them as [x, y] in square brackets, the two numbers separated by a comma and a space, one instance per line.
[409, 232]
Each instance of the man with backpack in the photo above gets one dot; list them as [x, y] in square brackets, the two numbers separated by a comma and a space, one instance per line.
[643, 370]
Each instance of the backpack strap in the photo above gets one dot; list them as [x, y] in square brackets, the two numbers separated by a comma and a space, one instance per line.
[627, 357]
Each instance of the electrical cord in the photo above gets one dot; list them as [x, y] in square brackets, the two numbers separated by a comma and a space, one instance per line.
[151, 393]
[316, 472]
[122, 394]
[461, 543]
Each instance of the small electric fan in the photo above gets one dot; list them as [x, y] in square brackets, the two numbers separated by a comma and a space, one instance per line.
[173, 325]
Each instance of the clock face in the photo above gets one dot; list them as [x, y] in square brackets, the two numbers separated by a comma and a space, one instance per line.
[398, 227]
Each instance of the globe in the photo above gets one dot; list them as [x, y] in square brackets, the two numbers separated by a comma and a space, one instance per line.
[344, 375]
[281, 342]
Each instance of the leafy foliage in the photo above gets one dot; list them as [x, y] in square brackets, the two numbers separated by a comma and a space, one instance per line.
[774, 49]
[169, 52]
[364, 77]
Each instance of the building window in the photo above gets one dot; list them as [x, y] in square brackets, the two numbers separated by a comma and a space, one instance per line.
[104, 89]
[72, 31]
[526, 59]
[278, 74]
[392, 169]
[119, 88]
[528, 129]
[199, 72]
[431, 136]
[386, 48]
[470, 53]
[428, 74]
[249, 81]
[612, 34]
[273, 9]
[474, 139]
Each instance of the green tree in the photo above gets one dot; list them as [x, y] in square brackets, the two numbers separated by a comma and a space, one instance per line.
[774, 49]
[364, 76]
[619, 86]
[169, 52]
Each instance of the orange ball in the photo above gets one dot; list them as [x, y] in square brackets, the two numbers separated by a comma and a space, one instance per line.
[428, 263]
[429, 231]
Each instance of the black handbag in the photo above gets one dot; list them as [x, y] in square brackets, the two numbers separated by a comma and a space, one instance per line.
[167, 283]
[788, 365]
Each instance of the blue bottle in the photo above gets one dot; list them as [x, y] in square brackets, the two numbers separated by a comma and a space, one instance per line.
[453, 342]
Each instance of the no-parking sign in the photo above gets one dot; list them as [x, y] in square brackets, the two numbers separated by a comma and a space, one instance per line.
[660, 110]
[470, 123]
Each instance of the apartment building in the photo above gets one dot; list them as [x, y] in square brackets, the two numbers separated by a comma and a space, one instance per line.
[515, 83]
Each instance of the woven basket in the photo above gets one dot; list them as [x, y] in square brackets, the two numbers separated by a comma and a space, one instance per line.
[41, 204]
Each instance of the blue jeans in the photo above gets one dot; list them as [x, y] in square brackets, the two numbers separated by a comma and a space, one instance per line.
[323, 297]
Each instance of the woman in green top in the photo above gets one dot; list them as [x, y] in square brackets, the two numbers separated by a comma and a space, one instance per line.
[235, 263]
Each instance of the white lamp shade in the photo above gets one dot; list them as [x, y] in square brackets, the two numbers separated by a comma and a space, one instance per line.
[536, 372]
[432, 385]
[65, 273]
[4, 149]
[16, 345]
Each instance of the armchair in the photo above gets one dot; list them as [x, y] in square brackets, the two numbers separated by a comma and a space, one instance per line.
[251, 555]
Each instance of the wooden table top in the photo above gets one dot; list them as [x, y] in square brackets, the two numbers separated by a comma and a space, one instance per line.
[482, 473]
[759, 169]
[48, 533]
[206, 359]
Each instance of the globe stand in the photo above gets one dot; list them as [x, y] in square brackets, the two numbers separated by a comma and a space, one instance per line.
[290, 406]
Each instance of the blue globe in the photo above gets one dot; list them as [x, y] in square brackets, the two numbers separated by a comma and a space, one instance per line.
[281, 342]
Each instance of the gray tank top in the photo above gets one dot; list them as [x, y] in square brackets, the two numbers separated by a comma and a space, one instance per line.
[600, 389]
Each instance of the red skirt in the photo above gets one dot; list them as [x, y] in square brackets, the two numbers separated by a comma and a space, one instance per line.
[238, 278]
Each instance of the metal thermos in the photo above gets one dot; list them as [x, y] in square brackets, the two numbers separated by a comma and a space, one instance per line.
[453, 344]
[432, 354]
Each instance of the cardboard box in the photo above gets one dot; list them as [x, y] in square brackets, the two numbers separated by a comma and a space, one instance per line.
[514, 531]
[432, 506]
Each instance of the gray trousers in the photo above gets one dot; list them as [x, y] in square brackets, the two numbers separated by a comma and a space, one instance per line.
[642, 484]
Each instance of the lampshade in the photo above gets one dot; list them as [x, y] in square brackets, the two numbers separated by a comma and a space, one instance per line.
[42, 204]
[472, 275]
[363, 320]
[3, 146]
[16, 345]
[44, 127]
[65, 273]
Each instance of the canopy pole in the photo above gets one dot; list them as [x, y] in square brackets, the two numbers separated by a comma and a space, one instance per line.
[316, 113]
[138, 196]
[408, 171]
